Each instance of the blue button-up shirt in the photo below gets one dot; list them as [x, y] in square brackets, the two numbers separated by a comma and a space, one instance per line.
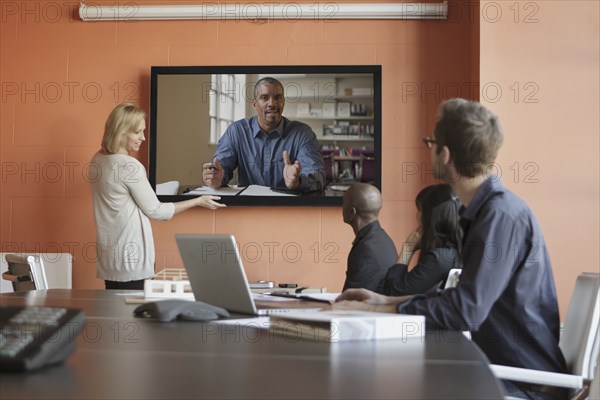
[506, 295]
[258, 155]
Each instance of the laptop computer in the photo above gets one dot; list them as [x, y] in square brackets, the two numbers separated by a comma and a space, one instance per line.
[216, 274]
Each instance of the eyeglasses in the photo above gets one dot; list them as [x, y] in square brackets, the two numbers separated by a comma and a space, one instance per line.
[429, 142]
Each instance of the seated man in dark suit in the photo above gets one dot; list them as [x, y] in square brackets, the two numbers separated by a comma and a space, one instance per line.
[373, 251]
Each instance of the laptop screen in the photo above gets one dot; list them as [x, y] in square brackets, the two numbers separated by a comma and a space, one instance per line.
[215, 271]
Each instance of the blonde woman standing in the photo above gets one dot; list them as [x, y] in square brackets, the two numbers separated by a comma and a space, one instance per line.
[124, 202]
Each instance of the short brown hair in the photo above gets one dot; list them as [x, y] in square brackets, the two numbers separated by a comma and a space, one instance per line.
[472, 134]
[267, 80]
[123, 119]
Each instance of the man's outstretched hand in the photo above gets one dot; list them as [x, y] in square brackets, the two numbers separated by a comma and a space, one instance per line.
[291, 172]
[212, 174]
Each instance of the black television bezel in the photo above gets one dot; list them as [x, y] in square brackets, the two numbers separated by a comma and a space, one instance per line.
[308, 201]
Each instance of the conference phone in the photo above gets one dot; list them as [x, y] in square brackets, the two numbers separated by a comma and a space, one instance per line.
[33, 337]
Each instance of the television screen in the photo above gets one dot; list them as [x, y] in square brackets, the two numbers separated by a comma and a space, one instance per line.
[205, 117]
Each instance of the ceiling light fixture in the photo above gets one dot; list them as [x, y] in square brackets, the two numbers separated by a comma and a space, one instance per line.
[266, 11]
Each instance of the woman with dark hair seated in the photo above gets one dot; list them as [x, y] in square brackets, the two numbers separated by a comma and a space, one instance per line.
[438, 238]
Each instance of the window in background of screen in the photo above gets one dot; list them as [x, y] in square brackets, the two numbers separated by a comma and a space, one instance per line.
[226, 106]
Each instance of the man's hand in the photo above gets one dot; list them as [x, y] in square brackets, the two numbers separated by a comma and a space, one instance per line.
[212, 174]
[291, 172]
[363, 295]
[365, 300]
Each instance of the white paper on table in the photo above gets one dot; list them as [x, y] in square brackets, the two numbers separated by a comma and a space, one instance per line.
[222, 191]
[266, 297]
[256, 322]
[258, 190]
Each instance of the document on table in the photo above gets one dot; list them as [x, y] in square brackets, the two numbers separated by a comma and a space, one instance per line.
[222, 191]
[268, 297]
[255, 322]
[258, 190]
[252, 190]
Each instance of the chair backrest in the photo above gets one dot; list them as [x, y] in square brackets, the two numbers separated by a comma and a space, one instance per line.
[25, 272]
[368, 165]
[579, 337]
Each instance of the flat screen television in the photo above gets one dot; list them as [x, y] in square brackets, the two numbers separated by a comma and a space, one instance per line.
[192, 106]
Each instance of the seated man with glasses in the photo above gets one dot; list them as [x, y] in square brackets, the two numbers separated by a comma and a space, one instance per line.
[506, 295]
[429, 142]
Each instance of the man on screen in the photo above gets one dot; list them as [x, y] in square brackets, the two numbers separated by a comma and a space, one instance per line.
[268, 149]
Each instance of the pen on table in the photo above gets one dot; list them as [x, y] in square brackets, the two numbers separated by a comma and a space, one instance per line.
[189, 189]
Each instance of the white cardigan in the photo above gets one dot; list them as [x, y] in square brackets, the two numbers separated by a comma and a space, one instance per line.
[123, 203]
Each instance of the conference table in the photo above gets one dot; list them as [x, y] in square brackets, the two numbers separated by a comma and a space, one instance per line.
[119, 356]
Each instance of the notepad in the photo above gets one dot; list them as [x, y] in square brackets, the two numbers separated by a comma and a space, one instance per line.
[299, 296]
[222, 191]
[252, 190]
[258, 190]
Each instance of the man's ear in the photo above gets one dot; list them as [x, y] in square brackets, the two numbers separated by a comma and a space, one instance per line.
[353, 212]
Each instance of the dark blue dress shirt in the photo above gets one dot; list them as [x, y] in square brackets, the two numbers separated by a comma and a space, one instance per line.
[506, 295]
[258, 155]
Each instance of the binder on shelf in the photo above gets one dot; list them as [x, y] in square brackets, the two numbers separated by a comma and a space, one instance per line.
[343, 109]
[358, 110]
[316, 112]
[358, 91]
[303, 110]
[328, 110]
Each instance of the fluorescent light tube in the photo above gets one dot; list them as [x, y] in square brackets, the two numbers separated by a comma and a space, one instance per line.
[266, 11]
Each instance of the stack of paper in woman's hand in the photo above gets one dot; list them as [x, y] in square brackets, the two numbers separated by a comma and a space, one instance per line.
[336, 326]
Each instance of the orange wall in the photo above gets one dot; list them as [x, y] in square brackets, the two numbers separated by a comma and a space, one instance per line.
[550, 49]
[61, 77]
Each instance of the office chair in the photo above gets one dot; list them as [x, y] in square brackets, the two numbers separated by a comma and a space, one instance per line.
[347, 168]
[368, 166]
[578, 342]
[328, 155]
[25, 272]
